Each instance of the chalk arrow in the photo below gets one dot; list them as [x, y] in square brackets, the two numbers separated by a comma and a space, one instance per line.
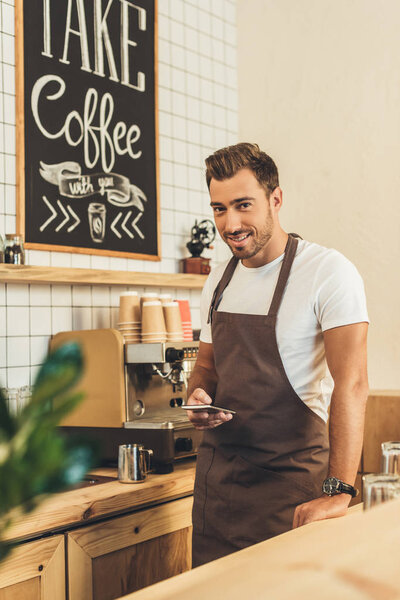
[61, 225]
[123, 226]
[113, 224]
[135, 220]
[75, 216]
[53, 214]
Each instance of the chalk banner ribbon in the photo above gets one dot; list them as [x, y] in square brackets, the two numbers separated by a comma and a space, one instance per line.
[72, 184]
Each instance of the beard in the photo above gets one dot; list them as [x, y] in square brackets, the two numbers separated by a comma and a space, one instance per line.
[256, 241]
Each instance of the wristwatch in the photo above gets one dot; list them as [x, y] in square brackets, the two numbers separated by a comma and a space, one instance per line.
[333, 486]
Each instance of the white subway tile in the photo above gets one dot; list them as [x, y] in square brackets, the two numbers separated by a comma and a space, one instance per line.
[9, 220]
[18, 352]
[39, 348]
[164, 51]
[163, 27]
[167, 221]
[230, 56]
[192, 66]
[193, 104]
[230, 12]
[40, 320]
[60, 259]
[167, 197]
[40, 258]
[177, 80]
[165, 148]
[218, 49]
[9, 79]
[100, 262]
[179, 151]
[164, 99]
[81, 295]
[2, 294]
[177, 33]
[163, 7]
[217, 27]
[81, 318]
[61, 319]
[101, 318]
[117, 263]
[176, 10]
[166, 172]
[9, 193]
[2, 189]
[206, 108]
[179, 127]
[18, 377]
[178, 104]
[9, 166]
[115, 292]
[193, 132]
[164, 75]
[9, 108]
[17, 294]
[177, 56]
[180, 175]
[34, 372]
[3, 320]
[17, 320]
[40, 295]
[8, 48]
[165, 123]
[61, 295]
[205, 44]
[180, 200]
[80, 261]
[114, 317]
[3, 377]
[167, 266]
[7, 19]
[100, 296]
[3, 354]
[195, 314]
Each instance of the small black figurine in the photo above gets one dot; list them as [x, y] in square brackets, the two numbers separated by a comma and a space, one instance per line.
[203, 235]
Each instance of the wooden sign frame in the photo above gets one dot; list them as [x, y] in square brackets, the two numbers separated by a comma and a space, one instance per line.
[21, 181]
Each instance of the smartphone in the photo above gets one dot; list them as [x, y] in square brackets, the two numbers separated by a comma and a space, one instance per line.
[207, 407]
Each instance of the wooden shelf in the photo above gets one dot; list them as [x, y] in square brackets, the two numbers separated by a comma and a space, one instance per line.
[61, 275]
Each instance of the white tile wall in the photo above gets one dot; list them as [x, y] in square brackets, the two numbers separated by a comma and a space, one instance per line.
[197, 113]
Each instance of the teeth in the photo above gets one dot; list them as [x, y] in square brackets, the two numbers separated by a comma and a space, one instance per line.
[241, 238]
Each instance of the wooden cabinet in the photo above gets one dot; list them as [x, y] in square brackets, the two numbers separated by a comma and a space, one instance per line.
[35, 571]
[124, 554]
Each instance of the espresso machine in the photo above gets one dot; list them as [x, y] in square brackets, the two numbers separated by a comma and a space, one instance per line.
[133, 394]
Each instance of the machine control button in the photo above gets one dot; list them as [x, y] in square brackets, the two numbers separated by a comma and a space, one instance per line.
[184, 445]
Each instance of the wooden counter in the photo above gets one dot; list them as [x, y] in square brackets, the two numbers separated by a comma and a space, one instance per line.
[81, 506]
[355, 557]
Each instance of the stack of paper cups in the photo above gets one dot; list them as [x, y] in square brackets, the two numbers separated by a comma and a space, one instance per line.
[149, 297]
[186, 320]
[173, 322]
[153, 324]
[165, 298]
[129, 322]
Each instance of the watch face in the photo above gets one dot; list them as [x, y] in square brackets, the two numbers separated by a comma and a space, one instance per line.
[331, 486]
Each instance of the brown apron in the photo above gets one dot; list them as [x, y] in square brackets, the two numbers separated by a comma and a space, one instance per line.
[273, 455]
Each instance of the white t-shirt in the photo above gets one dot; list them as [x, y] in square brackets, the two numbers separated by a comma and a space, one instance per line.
[324, 291]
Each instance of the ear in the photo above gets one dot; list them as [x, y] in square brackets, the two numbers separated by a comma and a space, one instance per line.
[276, 199]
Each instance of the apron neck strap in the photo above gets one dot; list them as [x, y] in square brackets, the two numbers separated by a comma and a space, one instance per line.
[223, 282]
[290, 252]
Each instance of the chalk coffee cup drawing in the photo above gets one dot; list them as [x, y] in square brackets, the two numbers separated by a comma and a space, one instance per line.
[97, 221]
[134, 462]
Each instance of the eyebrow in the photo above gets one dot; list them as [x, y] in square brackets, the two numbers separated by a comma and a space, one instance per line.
[233, 202]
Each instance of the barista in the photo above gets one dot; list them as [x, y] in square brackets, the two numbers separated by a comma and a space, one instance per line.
[274, 317]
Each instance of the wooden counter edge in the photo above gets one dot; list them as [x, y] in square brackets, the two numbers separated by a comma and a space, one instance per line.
[352, 556]
[79, 507]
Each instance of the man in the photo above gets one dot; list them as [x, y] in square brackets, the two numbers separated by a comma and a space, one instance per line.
[274, 318]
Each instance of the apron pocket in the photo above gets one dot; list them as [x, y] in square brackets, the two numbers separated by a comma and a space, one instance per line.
[262, 502]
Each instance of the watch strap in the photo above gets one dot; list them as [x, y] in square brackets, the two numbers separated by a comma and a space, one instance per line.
[346, 488]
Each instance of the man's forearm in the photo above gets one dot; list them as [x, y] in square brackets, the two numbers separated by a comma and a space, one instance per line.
[203, 378]
[346, 430]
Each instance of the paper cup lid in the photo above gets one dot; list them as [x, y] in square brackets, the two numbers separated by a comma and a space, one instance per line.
[152, 303]
[129, 294]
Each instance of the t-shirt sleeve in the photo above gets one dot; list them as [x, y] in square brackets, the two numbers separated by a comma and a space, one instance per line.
[340, 298]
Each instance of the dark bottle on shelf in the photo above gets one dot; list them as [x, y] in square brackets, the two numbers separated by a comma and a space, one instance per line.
[14, 253]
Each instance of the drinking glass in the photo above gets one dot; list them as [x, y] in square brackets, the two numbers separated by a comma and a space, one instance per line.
[391, 457]
[380, 487]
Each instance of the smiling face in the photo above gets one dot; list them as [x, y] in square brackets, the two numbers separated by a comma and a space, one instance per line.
[244, 217]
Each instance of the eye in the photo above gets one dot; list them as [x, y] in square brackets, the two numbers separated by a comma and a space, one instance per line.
[244, 204]
[218, 209]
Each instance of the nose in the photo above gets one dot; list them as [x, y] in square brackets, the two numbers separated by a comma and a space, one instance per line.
[232, 221]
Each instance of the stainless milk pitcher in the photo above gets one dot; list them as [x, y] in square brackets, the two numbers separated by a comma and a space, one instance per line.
[133, 463]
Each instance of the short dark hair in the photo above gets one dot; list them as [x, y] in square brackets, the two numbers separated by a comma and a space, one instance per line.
[226, 162]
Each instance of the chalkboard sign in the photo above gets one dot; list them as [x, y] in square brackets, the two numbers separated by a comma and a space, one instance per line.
[87, 167]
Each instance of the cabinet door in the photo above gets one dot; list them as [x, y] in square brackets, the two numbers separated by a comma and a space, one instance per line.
[34, 571]
[121, 555]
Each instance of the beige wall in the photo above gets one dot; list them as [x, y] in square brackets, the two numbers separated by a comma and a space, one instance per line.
[319, 89]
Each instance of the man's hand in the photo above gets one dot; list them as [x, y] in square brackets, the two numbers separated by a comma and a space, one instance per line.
[203, 419]
[325, 507]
